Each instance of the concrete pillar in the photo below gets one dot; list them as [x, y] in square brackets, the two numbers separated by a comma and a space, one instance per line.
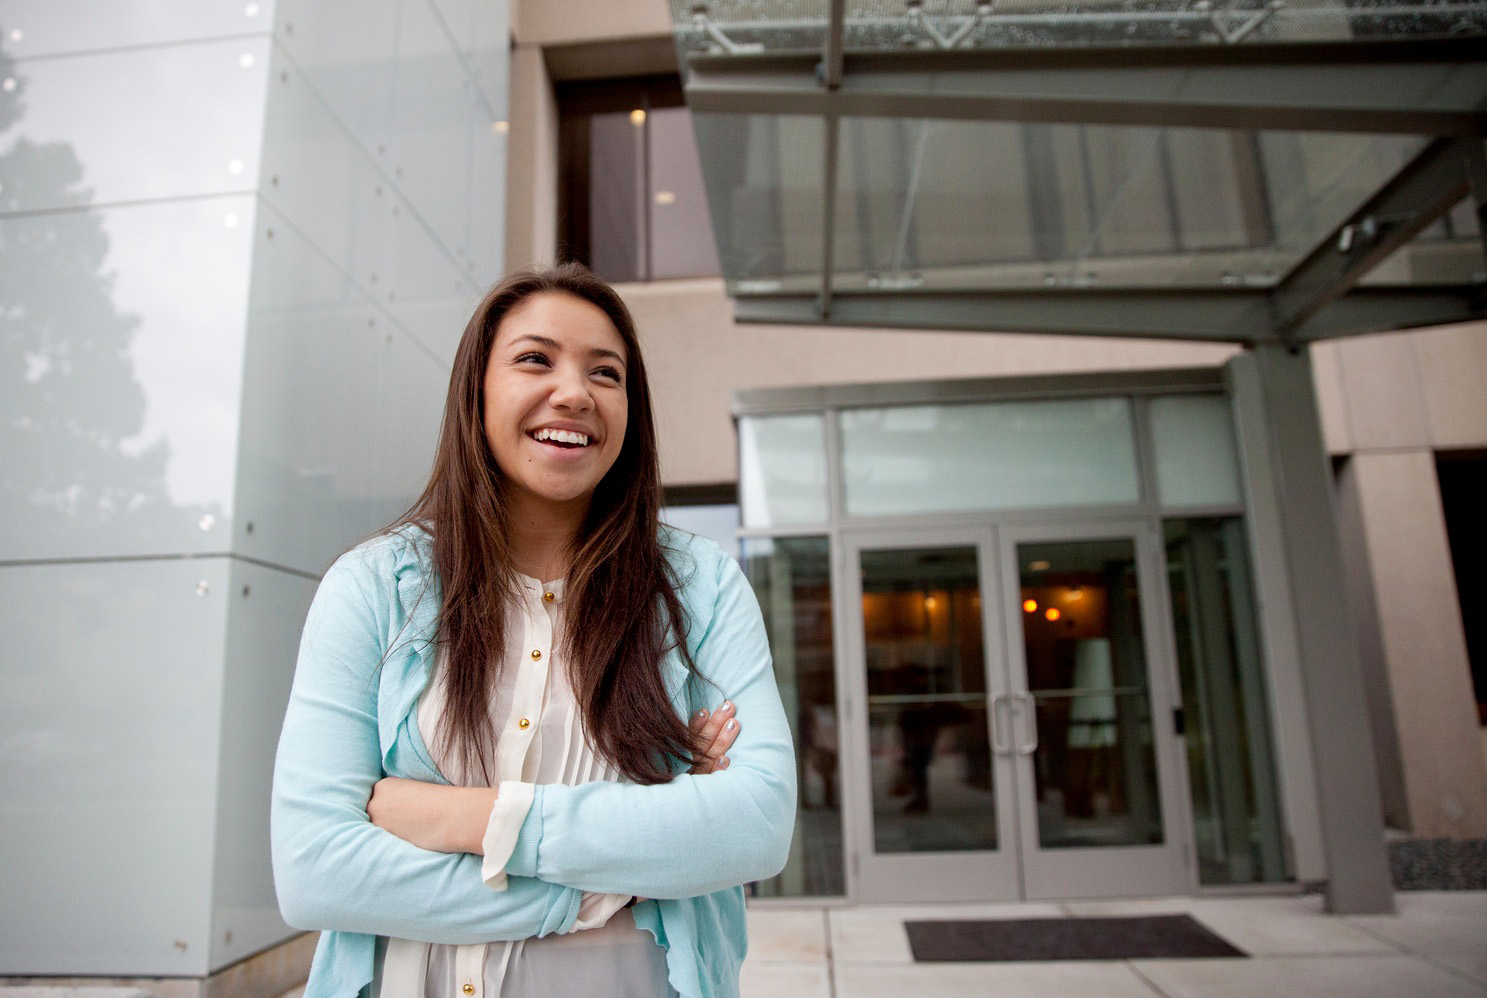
[1429, 689]
[1280, 429]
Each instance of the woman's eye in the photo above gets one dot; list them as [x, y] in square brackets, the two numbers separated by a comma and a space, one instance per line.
[533, 358]
[611, 373]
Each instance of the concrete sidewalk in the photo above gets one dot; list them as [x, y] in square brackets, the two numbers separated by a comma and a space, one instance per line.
[1435, 946]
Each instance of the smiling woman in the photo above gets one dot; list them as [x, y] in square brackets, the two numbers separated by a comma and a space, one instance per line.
[556, 404]
[466, 777]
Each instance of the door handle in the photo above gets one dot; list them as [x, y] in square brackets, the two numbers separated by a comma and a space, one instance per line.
[997, 727]
[1030, 745]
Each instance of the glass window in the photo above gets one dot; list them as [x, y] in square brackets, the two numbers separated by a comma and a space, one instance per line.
[715, 521]
[782, 469]
[1236, 809]
[997, 455]
[1094, 761]
[1193, 438]
[1463, 484]
[792, 579]
[632, 205]
[928, 730]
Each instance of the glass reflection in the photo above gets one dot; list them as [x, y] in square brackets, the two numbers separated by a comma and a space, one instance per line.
[926, 684]
[1094, 762]
[792, 579]
[1235, 796]
[79, 474]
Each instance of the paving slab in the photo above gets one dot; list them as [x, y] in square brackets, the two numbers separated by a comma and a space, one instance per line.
[787, 935]
[775, 980]
[978, 980]
[1357, 976]
[1433, 922]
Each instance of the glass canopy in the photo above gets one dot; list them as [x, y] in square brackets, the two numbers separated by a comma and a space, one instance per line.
[882, 25]
[1254, 163]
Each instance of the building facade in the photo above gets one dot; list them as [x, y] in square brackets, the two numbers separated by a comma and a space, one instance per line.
[1042, 607]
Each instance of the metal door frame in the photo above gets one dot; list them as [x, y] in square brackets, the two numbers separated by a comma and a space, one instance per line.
[943, 876]
[1107, 871]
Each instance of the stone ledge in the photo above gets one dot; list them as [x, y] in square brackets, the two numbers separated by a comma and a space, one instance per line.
[1439, 864]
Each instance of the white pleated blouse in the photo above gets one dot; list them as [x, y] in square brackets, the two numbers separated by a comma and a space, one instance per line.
[539, 739]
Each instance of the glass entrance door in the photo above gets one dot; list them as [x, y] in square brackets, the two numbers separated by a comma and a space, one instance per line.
[1007, 747]
[933, 814]
[1096, 760]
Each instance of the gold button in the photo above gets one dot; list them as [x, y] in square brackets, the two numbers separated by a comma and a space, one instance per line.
[469, 988]
[536, 654]
[549, 597]
[524, 724]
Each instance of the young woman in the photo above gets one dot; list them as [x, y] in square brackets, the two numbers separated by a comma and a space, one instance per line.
[499, 774]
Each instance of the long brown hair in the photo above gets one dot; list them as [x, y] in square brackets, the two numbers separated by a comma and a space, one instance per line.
[619, 583]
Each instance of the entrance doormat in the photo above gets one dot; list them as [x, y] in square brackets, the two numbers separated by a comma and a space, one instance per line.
[1134, 938]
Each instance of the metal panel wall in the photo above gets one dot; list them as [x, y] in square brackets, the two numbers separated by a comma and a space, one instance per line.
[238, 244]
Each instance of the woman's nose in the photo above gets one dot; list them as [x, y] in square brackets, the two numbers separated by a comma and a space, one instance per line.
[570, 390]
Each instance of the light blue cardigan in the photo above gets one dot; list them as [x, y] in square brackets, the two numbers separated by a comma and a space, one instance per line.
[689, 843]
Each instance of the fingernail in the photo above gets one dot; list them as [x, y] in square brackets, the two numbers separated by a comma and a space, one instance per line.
[702, 713]
[724, 763]
[730, 724]
[727, 705]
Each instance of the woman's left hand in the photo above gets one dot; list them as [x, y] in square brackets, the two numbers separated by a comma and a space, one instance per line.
[712, 737]
[432, 816]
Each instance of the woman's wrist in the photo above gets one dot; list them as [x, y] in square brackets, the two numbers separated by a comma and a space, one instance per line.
[471, 818]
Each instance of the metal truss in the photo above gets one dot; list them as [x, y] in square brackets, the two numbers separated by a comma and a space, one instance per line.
[1435, 87]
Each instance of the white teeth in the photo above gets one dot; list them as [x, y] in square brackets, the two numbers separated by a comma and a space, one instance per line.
[562, 436]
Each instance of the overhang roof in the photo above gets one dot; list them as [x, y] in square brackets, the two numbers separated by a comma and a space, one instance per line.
[1243, 172]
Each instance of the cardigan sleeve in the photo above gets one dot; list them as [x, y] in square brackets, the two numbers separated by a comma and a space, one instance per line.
[334, 869]
[696, 834]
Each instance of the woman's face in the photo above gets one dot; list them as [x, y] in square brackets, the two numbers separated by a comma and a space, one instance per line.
[556, 404]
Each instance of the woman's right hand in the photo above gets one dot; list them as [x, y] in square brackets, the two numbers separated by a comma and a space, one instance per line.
[713, 733]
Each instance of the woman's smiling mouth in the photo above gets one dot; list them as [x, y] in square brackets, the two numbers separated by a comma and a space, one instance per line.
[562, 438]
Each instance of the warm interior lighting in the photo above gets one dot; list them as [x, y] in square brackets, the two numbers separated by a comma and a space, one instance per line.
[1039, 566]
[1052, 613]
[929, 602]
[665, 197]
[637, 116]
[1030, 606]
[1075, 593]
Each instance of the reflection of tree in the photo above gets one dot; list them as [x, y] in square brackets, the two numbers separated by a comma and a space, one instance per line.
[68, 396]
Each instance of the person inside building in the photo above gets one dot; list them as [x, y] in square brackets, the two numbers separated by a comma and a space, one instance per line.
[534, 744]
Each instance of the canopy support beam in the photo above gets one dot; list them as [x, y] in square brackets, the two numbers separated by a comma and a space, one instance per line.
[1432, 87]
[1424, 189]
[1217, 315]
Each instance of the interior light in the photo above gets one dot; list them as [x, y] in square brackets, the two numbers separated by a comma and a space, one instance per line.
[235, 167]
[251, 10]
[1039, 566]
[665, 197]
[1052, 613]
[637, 116]
[1075, 593]
[246, 60]
[229, 221]
[929, 602]
[1030, 606]
[500, 127]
